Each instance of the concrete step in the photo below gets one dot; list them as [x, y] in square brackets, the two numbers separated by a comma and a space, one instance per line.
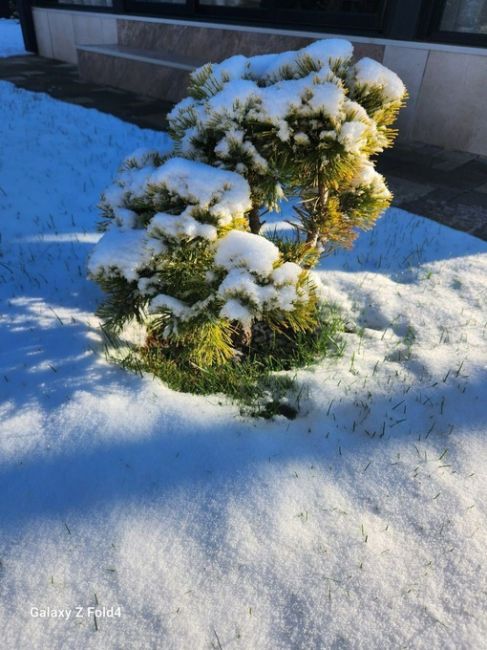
[155, 73]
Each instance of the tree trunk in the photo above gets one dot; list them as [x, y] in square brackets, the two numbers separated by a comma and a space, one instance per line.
[320, 207]
[254, 221]
[312, 239]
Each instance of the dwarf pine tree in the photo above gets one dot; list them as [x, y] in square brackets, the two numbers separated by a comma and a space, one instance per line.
[182, 253]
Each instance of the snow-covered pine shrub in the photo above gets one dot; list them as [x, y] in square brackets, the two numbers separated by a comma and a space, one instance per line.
[176, 256]
[181, 251]
[299, 124]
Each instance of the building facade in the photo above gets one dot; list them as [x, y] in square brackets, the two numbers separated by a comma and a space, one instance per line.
[438, 47]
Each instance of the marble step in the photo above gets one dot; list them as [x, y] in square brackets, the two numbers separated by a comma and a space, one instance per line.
[207, 42]
[155, 73]
[215, 42]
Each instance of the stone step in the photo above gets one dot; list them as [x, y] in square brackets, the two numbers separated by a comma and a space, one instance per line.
[215, 42]
[155, 73]
[207, 42]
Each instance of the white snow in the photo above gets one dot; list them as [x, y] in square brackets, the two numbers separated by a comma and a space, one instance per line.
[235, 92]
[361, 524]
[259, 292]
[130, 183]
[324, 53]
[224, 194]
[234, 310]
[235, 138]
[169, 303]
[180, 226]
[126, 251]
[11, 41]
[372, 73]
[327, 99]
[124, 219]
[287, 273]
[243, 249]
[352, 136]
[329, 51]
[242, 283]
[273, 104]
[267, 67]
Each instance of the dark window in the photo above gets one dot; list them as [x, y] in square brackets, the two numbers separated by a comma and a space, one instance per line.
[351, 15]
[458, 21]
[89, 3]
[467, 16]
[251, 4]
[332, 6]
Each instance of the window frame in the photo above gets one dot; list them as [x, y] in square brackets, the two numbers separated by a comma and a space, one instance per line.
[432, 17]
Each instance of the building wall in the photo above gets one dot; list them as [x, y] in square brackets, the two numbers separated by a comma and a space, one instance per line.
[59, 32]
[446, 83]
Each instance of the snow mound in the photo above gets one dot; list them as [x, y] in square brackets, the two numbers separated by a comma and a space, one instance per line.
[243, 249]
[126, 251]
[373, 74]
[224, 194]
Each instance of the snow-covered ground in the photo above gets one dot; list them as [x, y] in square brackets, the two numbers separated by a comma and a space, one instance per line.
[361, 524]
[11, 41]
